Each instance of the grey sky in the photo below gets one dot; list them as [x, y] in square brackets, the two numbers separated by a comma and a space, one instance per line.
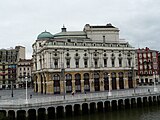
[22, 20]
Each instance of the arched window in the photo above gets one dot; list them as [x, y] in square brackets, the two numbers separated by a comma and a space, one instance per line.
[121, 80]
[86, 82]
[106, 81]
[56, 79]
[68, 83]
[78, 82]
[96, 82]
[114, 83]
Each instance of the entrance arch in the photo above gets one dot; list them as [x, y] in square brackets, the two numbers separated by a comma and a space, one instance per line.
[56, 79]
[68, 83]
[121, 80]
[78, 82]
[130, 80]
[86, 82]
[114, 83]
[96, 82]
[106, 81]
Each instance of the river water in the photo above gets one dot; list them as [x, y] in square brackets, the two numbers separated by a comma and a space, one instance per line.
[147, 113]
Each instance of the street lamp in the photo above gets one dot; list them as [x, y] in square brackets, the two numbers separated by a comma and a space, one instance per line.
[26, 90]
[109, 92]
[155, 88]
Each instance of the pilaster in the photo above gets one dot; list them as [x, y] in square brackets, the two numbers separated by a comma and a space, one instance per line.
[117, 81]
[101, 83]
[82, 86]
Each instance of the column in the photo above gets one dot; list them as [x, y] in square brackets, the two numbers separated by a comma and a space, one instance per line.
[110, 81]
[39, 83]
[73, 85]
[82, 86]
[61, 86]
[50, 87]
[117, 81]
[101, 83]
[49, 81]
[125, 82]
[91, 81]
[26, 113]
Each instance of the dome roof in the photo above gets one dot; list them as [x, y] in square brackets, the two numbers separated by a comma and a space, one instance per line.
[45, 34]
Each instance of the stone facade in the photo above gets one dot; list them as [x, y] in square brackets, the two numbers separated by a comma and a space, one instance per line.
[94, 59]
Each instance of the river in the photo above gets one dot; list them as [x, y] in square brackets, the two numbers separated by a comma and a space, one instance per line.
[147, 113]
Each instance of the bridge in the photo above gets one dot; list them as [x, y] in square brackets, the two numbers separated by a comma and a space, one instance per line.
[52, 106]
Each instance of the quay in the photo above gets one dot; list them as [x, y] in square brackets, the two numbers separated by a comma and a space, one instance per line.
[52, 106]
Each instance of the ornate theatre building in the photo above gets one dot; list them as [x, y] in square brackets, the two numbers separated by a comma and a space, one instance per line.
[94, 59]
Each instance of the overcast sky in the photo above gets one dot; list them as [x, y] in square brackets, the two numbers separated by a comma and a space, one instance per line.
[22, 20]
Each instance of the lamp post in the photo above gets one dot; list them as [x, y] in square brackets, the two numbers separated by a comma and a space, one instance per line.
[26, 90]
[155, 88]
[109, 92]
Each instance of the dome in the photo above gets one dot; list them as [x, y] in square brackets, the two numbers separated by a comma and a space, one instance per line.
[45, 34]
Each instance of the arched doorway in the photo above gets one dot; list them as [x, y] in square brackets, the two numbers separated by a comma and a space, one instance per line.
[121, 80]
[78, 82]
[86, 82]
[130, 81]
[96, 82]
[114, 83]
[106, 81]
[56, 79]
[68, 83]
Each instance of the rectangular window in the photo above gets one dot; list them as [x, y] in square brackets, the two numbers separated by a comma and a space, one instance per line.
[96, 63]
[85, 63]
[68, 63]
[113, 63]
[120, 62]
[56, 63]
[129, 63]
[77, 63]
[105, 62]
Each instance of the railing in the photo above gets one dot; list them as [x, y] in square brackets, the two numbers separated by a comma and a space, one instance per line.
[43, 101]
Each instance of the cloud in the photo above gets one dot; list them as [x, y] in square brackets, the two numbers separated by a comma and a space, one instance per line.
[22, 21]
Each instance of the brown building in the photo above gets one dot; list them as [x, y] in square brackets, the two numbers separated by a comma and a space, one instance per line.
[8, 66]
[147, 61]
